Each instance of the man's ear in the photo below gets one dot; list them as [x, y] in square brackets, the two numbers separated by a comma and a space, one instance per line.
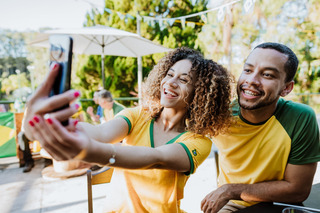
[287, 89]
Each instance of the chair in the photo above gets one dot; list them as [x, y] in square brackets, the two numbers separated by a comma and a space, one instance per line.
[216, 158]
[93, 178]
[298, 206]
[18, 117]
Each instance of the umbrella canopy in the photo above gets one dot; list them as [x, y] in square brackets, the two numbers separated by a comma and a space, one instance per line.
[103, 40]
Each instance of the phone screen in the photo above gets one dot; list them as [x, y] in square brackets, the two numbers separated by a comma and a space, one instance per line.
[61, 52]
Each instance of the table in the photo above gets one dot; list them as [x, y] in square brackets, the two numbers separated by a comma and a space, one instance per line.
[264, 207]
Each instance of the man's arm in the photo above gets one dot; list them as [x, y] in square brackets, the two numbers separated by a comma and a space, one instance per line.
[294, 188]
[94, 118]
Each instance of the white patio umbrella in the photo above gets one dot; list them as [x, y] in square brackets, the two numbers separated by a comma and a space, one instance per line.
[103, 40]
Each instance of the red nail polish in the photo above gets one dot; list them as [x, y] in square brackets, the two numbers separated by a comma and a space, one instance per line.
[49, 121]
[76, 122]
[55, 66]
[76, 94]
[36, 119]
[31, 123]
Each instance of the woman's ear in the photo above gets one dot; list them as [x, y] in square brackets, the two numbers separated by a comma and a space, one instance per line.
[287, 89]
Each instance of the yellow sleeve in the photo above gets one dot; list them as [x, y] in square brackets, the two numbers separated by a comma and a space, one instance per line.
[198, 149]
[130, 115]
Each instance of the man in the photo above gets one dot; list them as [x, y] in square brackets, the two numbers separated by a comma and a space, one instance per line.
[270, 154]
[109, 107]
[95, 117]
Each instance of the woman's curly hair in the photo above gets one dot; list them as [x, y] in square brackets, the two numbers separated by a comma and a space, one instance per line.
[208, 113]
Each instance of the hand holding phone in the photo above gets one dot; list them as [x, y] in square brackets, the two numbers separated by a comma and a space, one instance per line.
[61, 53]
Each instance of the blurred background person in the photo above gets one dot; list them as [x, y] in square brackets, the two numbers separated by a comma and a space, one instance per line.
[95, 117]
[3, 108]
[109, 107]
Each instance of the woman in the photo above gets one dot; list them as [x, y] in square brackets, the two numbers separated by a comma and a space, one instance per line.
[186, 98]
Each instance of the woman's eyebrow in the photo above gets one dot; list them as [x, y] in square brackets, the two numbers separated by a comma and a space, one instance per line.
[186, 74]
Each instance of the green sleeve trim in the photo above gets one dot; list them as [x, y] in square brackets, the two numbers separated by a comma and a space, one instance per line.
[175, 138]
[190, 159]
[128, 121]
[151, 133]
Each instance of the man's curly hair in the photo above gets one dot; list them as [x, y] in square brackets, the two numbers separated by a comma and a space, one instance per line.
[208, 113]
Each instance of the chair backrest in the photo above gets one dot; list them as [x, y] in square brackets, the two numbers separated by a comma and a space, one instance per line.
[216, 158]
[102, 176]
[298, 206]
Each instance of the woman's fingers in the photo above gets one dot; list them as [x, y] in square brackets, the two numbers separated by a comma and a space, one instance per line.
[63, 114]
[56, 102]
[39, 130]
[56, 144]
[66, 138]
[46, 105]
[40, 103]
[72, 125]
[46, 86]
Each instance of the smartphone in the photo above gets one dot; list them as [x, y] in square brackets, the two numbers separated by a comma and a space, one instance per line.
[61, 53]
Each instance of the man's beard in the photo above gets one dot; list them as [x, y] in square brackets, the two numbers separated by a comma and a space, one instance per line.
[259, 104]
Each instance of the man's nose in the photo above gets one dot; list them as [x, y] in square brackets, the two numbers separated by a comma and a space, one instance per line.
[253, 78]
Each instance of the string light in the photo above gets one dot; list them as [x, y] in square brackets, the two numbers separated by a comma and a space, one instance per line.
[248, 5]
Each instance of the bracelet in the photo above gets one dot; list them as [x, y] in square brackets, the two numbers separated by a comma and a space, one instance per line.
[112, 159]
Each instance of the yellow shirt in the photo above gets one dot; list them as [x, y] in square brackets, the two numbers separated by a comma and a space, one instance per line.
[253, 153]
[152, 190]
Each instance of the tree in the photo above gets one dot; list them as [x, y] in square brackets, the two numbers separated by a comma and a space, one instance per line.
[121, 72]
[39, 60]
[293, 23]
[12, 58]
[15, 82]
[229, 39]
[307, 42]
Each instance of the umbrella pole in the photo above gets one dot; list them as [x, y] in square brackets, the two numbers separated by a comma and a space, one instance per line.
[139, 62]
[102, 71]
[139, 78]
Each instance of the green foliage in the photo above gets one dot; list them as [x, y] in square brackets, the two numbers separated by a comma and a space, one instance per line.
[269, 21]
[13, 82]
[307, 41]
[38, 57]
[12, 60]
[121, 72]
[272, 21]
[12, 52]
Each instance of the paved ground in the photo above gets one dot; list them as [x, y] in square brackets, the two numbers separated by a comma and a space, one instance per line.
[30, 193]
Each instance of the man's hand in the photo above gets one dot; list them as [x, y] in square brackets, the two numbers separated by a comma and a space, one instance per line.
[90, 111]
[295, 188]
[215, 200]
[94, 118]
